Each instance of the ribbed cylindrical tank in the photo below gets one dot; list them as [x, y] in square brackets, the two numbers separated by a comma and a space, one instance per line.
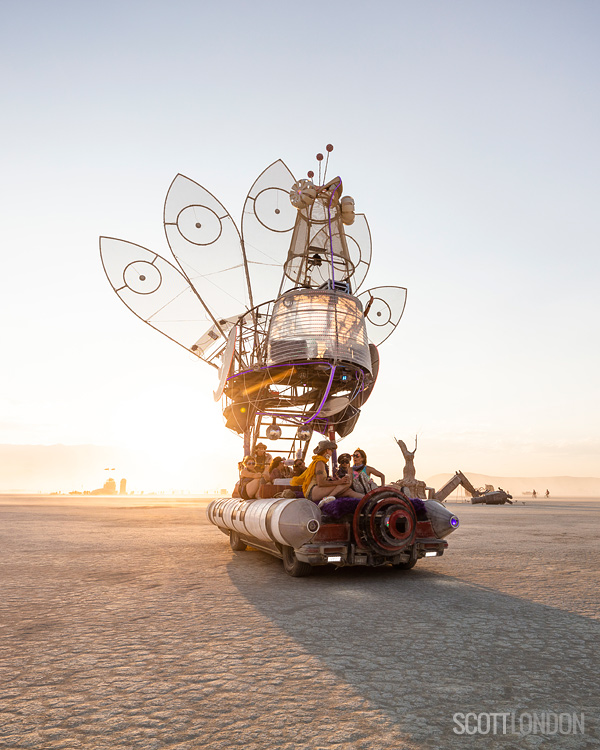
[442, 520]
[385, 522]
[308, 324]
[291, 522]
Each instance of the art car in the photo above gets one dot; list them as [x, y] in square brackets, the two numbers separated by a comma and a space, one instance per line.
[279, 310]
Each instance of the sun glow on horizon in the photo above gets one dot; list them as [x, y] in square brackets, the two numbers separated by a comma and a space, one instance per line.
[478, 178]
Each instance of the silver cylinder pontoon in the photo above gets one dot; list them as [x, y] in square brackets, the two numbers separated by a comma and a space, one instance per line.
[291, 522]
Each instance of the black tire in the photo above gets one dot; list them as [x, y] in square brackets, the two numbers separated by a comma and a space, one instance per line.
[294, 567]
[405, 565]
[235, 542]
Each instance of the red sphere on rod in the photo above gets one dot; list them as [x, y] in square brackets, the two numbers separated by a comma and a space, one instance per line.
[319, 157]
[329, 147]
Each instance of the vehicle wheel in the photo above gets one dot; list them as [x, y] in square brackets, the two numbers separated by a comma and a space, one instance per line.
[405, 565]
[235, 542]
[410, 563]
[292, 566]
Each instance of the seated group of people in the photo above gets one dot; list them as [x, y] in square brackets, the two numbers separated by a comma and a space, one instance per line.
[261, 468]
[348, 480]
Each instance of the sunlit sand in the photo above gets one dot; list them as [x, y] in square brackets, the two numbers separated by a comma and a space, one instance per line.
[128, 622]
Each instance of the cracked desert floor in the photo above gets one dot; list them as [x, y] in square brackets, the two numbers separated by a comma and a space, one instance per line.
[130, 623]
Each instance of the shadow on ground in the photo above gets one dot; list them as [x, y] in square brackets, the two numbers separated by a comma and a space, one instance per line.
[421, 645]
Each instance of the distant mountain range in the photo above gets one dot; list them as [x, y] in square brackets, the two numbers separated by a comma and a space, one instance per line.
[517, 486]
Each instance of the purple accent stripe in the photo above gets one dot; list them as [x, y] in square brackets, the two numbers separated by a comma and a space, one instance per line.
[327, 390]
[330, 237]
[319, 410]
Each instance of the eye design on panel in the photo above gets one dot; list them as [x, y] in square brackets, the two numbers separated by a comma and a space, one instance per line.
[265, 232]
[199, 225]
[380, 313]
[158, 293]
[142, 277]
[383, 308]
[273, 210]
[205, 242]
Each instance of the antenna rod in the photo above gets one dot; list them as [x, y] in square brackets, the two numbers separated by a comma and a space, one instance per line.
[329, 149]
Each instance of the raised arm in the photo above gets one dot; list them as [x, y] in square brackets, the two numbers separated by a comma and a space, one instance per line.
[371, 471]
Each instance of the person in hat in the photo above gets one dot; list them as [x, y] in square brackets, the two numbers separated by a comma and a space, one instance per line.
[298, 467]
[262, 458]
[343, 468]
[315, 481]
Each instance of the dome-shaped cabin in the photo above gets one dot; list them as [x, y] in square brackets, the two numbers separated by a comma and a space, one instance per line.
[313, 324]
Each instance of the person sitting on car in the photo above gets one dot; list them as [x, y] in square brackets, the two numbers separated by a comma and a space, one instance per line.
[250, 478]
[344, 465]
[277, 469]
[299, 467]
[262, 458]
[362, 472]
[315, 481]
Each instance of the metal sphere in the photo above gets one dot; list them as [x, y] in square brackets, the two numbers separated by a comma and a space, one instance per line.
[273, 432]
[304, 433]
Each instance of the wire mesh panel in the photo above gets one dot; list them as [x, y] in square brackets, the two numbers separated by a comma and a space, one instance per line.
[206, 243]
[267, 222]
[384, 306]
[318, 324]
[318, 250]
[158, 293]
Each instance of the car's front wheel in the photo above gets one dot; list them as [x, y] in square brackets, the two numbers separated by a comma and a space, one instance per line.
[235, 542]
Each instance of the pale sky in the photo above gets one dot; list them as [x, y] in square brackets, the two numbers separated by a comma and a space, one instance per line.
[466, 131]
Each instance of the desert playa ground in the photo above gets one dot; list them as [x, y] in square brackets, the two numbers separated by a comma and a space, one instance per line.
[129, 623]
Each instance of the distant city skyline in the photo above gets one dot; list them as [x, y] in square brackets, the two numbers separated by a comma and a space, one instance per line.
[466, 132]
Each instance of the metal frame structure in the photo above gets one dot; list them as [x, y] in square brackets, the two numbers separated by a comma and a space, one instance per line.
[295, 236]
